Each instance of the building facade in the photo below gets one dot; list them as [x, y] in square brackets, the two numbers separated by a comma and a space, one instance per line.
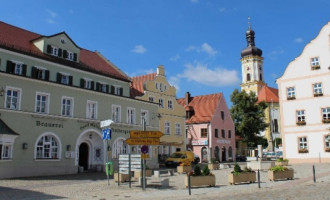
[304, 92]
[53, 95]
[156, 89]
[210, 130]
[253, 81]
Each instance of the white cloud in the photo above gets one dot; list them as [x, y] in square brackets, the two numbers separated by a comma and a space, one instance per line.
[208, 49]
[139, 49]
[175, 58]
[205, 47]
[51, 13]
[216, 77]
[298, 40]
[175, 82]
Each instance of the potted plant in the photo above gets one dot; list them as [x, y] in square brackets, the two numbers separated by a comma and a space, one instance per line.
[327, 149]
[316, 67]
[138, 174]
[200, 177]
[282, 162]
[326, 121]
[301, 123]
[213, 164]
[303, 150]
[122, 177]
[184, 167]
[280, 172]
[241, 176]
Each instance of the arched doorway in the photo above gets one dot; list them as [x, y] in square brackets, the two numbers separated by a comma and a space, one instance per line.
[217, 153]
[204, 154]
[223, 154]
[83, 155]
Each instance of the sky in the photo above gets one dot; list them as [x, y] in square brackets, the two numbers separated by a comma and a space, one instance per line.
[199, 42]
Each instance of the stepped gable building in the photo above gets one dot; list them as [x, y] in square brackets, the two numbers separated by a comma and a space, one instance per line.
[53, 95]
[304, 95]
[253, 81]
[155, 88]
[210, 130]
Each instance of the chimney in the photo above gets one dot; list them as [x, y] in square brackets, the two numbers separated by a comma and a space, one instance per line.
[187, 98]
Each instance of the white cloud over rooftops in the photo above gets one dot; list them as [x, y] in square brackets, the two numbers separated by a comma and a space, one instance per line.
[139, 49]
[217, 77]
[205, 47]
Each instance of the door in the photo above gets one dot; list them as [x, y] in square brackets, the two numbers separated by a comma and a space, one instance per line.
[83, 155]
[223, 150]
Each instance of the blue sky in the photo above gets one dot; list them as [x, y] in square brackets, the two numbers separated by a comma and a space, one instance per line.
[198, 41]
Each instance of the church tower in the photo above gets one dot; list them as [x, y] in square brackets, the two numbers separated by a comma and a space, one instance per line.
[252, 65]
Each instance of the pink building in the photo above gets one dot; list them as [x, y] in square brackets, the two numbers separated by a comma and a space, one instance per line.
[210, 130]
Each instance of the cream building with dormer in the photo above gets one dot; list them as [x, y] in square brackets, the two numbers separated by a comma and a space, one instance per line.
[304, 92]
[155, 88]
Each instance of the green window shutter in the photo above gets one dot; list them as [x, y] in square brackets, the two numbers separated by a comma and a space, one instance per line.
[112, 89]
[121, 91]
[70, 80]
[74, 57]
[24, 70]
[97, 86]
[59, 52]
[65, 54]
[34, 72]
[49, 49]
[107, 88]
[58, 77]
[47, 75]
[82, 83]
[9, 68]
[92, 85]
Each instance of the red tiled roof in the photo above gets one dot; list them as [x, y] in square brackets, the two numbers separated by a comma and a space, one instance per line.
[204, 107]
[18, 39]
[268, 94]
[138, 82]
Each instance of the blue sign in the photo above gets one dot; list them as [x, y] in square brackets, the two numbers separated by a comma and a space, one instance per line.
[106, 133]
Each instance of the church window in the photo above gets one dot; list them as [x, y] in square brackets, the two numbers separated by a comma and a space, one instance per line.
[248, 77]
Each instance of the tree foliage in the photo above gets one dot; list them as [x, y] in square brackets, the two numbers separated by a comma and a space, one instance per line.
[249, 117]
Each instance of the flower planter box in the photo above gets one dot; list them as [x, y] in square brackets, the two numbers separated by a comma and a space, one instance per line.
[280, 175]
[318, 94]
[326, 121]
[282, 163]
[301, 123]
[291, 98]
[213, 166]
[122, 177]
[244, 177]
[138, 174]
[316, 67]
[303, 150]
[183, 169]
[198, 181]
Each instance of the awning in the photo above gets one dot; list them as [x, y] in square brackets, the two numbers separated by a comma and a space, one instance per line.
[4, 129]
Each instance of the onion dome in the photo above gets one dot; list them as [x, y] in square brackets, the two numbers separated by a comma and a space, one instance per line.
[251, 49]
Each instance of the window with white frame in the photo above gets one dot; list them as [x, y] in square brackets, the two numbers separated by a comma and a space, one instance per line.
[131, 115]
[88, 83]
[177, 129]
[18, 69]
[40, 73]
[151, 99]
[47, 147]
[167, 128]
[145, 116]
[13, 98]
[116, 113]
[6, 151]
[303, 143]
[300, 115]
[54, 51]
[67, 106]
[327, 142]
[161, 103]
[65, 79]
[315, 61]
[69, 56]
[103, 87]
[119, 147]
[326, 113]
[42, 103]
[291, 92]
[170, 104]
[317, 88]
[116, 90]
[91, 111]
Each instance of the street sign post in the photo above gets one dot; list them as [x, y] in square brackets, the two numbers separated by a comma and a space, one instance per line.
[143, 141]
[106, 123]
[146, 134]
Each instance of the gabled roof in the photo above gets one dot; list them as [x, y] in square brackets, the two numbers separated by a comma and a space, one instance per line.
[138, 82]
[203, 106]
[4, 129]
[268, 94]
[20, 40]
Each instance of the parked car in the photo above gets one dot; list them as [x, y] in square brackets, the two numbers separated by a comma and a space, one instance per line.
[180, 157]
[240, 158]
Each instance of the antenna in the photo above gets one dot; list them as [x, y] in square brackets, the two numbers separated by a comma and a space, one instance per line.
[249, 22]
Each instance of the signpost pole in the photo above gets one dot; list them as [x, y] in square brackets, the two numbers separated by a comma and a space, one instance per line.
[107, 144]
[129, 169]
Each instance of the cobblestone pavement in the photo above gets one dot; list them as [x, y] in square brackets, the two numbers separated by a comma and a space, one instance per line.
[95, 186]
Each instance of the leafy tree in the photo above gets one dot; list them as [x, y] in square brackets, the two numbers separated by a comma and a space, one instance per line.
[248, 116]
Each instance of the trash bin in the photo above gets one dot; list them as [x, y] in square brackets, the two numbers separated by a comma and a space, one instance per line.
[108, 168]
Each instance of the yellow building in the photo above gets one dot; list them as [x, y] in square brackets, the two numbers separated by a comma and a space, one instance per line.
[155, 88]
[253, 81]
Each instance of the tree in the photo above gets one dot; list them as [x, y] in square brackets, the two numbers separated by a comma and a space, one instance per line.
[249, 117]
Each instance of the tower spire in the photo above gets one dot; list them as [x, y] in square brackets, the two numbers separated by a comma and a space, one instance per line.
[249, 22]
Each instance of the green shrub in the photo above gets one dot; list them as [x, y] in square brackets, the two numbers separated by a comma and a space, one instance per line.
[282, 160]
[237, 169]
[247, 169]
[278, 168]
[197, 171]
[206, 171]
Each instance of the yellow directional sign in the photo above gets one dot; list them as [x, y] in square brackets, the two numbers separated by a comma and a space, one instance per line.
[142, 141]
[144, 156]
[146, 134]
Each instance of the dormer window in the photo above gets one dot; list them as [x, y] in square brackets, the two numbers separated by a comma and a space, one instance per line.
[54, 51]
[17, 68]
[87, 83]
[63, 78]
[116, 90]
[69, 56]
[102, 87]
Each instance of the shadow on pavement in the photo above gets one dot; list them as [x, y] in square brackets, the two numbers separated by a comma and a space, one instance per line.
[90, 176]
[10, 193]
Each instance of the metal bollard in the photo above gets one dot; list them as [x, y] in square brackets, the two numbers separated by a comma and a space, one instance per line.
[314, 178]
[189, 184]
[258, 178]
